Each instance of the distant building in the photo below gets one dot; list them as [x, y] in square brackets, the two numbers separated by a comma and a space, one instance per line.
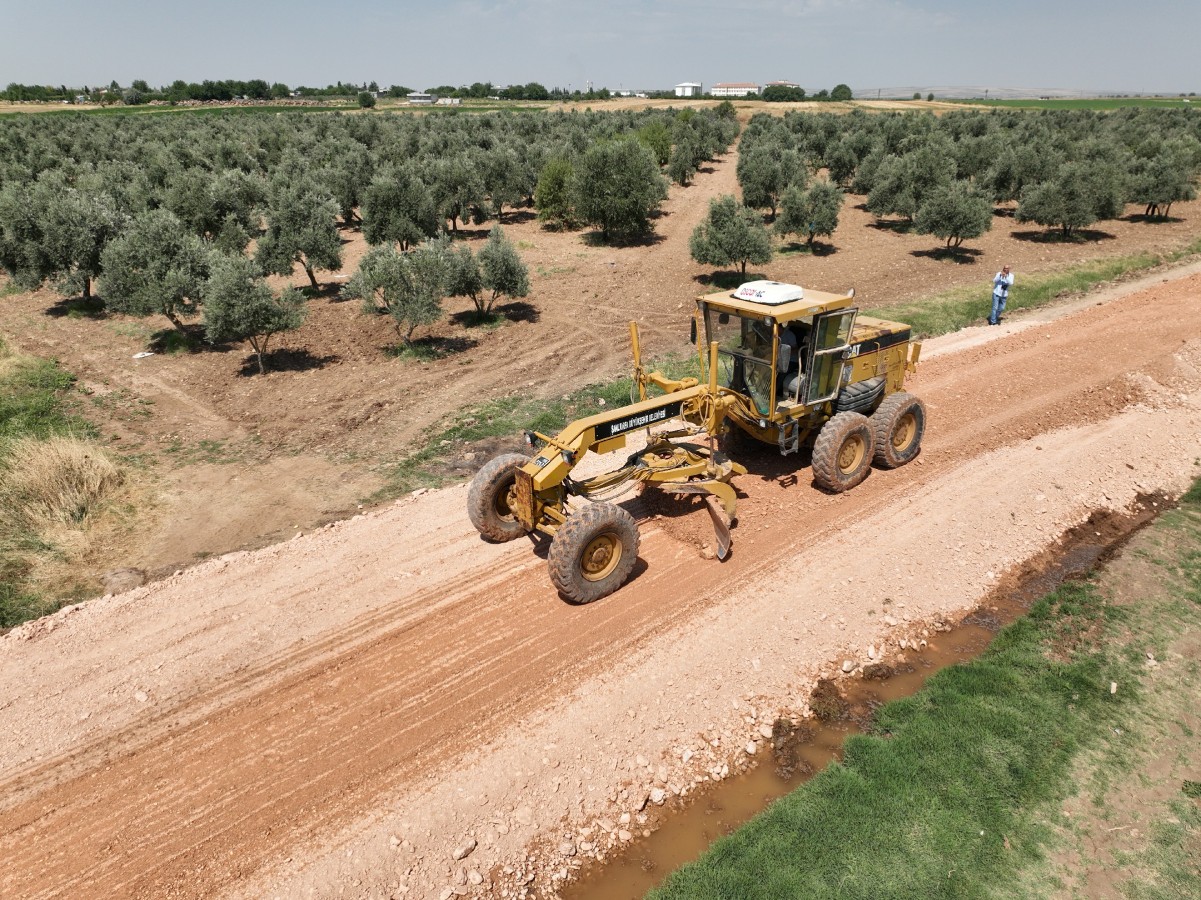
[689, 89]
[787, 84]
[734, 89]
[443, 101]
[421, 99]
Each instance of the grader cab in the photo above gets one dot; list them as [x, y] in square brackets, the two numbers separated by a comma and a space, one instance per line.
[779, 364]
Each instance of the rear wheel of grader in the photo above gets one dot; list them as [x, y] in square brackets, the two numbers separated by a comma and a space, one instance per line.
[593, 552]
[899, 424]
[842, 453]
[489, 498]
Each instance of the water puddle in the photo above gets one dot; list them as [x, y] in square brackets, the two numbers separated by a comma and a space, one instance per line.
[846, 707]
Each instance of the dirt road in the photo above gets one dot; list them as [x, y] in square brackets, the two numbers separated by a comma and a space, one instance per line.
[337, 714]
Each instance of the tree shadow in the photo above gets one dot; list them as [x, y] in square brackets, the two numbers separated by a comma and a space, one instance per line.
[78, 308]
[464, 233]
[817, 248]
[1004, 212]
[330, 290]
[516, 311]
[286, 359]
[1056, 236]
[965, 256]
[896, 226]
[1144, 219]
[518, 217]
[705, 170]
[432, 347]
[727, 279]
[647, 239]
[188, 339]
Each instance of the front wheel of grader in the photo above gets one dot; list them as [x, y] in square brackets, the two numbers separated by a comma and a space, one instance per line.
[490, 495]
[593, 552]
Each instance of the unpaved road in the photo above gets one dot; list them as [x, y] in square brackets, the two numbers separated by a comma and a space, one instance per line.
[334, 715]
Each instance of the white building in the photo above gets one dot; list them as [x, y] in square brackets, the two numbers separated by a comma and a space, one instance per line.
[734, 89]
[422, 99]
[689, 89]
[787, 84]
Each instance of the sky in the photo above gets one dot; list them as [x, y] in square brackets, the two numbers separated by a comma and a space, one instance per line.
[1102, 46]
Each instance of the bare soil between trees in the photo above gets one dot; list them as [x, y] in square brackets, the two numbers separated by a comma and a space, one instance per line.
[339, 713]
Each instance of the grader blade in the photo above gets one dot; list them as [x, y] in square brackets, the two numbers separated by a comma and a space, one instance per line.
[721, 525]
[720, 500]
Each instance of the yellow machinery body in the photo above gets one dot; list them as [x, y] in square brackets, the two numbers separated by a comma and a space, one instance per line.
[777, 363]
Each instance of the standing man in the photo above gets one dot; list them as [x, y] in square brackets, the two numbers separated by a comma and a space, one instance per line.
[1001, 284]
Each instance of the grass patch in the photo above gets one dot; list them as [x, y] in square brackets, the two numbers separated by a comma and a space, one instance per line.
[54, 481]
[962, 790]
[504, 419]
[970, 305]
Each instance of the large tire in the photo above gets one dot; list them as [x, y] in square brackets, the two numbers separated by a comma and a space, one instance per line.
[488, 499]
[899, 424]
[593, 552]
[842, 453]
[860, 397]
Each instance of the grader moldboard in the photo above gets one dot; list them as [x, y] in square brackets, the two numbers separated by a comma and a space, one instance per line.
[780, 364]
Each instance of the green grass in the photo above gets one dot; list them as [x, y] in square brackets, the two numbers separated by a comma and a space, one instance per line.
[959, 790]
[964, 306]
[31, 398]
[1099, 103]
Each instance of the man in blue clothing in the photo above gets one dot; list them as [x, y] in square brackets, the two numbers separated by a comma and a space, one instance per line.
[1001, 284]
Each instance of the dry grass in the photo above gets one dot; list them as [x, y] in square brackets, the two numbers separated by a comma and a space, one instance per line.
[53, 483]
[67, 507]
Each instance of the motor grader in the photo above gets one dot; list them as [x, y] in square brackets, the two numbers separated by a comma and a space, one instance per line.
[780, 365]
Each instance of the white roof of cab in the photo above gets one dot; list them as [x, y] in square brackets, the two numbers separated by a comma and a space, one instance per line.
[769, 293]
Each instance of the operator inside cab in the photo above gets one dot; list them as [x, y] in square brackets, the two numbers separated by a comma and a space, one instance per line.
[792, 376]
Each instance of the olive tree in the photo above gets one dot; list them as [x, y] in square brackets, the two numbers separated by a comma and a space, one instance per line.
[615, 186]
[503, 273]
[55, 231]
[157, 266]
[810, 212]
[398, 207]
[301, 228]
[552, 196]
[731, 233]
[1078, 195]
[954, 212]
[240, 306]
[765, 171]
[409, 287]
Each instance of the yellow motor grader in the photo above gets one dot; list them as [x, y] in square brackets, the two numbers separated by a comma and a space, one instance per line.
[780, 364]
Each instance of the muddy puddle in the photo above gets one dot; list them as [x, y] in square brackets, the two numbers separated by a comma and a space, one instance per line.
[846, 706]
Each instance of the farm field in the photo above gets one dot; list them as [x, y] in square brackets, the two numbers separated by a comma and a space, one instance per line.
[333, 686]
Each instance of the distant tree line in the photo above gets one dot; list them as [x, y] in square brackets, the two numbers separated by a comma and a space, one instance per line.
[777, 93]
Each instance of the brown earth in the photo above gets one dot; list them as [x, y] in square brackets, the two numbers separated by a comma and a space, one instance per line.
[345, 713]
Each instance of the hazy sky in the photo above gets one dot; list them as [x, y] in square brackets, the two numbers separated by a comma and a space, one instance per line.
[1102, 45]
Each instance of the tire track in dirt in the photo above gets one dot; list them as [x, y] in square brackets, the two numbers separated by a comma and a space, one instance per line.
[312, 740]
